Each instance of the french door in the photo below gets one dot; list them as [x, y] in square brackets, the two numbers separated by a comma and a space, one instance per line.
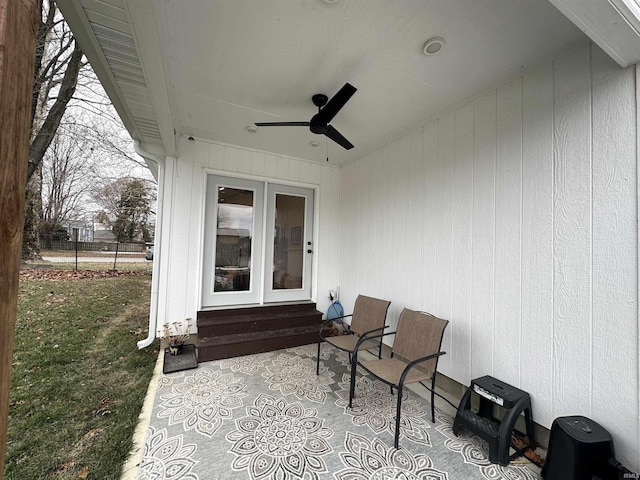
[257, 243]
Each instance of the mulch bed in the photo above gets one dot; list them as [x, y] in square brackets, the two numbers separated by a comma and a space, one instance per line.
[37, 274]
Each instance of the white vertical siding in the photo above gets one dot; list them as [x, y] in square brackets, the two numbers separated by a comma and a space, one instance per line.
[428, 219]
[461, 221]
[536, 355]
[572, 234]
[507, 304]
[482, 317]
[526, 238]
[614, 336]
[444, 240]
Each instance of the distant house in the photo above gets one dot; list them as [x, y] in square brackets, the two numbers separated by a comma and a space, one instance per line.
[102, 233]
[84, 231]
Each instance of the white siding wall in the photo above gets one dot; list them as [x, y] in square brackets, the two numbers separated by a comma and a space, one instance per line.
[181, 250]
[516, 217]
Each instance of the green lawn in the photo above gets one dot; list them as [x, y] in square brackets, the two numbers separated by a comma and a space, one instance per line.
[78, 379]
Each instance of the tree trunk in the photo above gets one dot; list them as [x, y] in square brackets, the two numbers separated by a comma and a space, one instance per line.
[38, 147]
[18, 28]
[32, 216]
[50, 126]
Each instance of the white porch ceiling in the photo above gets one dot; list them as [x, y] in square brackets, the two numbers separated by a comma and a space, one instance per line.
[210, 68]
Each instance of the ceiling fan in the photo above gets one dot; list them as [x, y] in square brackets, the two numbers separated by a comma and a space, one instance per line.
[327, 109]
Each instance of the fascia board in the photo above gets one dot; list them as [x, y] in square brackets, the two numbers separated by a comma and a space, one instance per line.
[606, 25]
[144, 18]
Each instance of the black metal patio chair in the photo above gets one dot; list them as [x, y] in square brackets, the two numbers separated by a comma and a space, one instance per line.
[414, 358]
[368, 317]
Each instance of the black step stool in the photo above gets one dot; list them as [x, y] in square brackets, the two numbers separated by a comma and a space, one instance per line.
[497, 433]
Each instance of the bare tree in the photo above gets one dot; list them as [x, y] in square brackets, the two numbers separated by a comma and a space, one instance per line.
[67, 178]
[72, 115]
[58, 60]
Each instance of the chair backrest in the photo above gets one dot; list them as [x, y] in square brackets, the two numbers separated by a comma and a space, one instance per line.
[418, 335]
[368, 313]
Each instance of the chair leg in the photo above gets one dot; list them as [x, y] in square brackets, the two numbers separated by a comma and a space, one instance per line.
[352, 385]
[318, 359]
[433, 407]
[397, 437]
[380, 349]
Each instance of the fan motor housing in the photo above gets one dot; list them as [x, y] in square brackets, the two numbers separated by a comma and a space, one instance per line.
[319, 100]
[319, 128]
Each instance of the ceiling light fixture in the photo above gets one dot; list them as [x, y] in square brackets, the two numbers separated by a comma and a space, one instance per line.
[314, 144]
[433, 45]
[251, 128]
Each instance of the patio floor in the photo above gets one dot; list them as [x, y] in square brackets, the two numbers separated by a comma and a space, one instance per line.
[269, 416]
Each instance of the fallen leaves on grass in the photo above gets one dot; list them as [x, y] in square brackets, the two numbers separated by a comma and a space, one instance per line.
[83, 473]
[104, 410]
[91, 433]
[65, 467]
[77, 274]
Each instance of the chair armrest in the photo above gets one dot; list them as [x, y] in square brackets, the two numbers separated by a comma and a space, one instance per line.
[367, 336]
[416, 362]
[343, 316]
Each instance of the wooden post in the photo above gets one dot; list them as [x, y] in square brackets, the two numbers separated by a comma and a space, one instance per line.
[18, 28]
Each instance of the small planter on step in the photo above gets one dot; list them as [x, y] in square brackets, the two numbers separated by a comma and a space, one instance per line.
[176, 349]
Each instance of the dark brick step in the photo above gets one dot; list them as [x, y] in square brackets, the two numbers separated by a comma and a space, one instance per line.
[215, 348]
[247, 330]
[257, 319]
[265, 310]
[246, 324]
[251, 336]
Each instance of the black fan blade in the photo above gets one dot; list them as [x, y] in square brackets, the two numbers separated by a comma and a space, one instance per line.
[337, 137]
[282, 124]
[334, 105]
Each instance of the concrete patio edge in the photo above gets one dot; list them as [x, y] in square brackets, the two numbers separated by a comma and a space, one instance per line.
[131, 468]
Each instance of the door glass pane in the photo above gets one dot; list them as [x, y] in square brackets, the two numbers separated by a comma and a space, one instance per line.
[288, 242]
[234, 236]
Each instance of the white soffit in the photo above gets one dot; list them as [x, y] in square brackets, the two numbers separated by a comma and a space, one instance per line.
[614, 25]
[103, 30]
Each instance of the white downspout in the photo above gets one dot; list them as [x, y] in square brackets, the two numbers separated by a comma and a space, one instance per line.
[155, 279]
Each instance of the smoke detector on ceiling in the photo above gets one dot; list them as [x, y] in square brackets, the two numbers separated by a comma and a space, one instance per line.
[433, 45]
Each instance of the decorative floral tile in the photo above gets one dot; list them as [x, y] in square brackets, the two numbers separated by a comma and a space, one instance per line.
[366, 458]
[280, 440]
[167, 457]
[311, 351]
[247, 364]
[295, 375]
[269, 416]
[203, 401]
[375, 407]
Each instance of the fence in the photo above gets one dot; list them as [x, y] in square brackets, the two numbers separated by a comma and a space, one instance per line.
[48, 243]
